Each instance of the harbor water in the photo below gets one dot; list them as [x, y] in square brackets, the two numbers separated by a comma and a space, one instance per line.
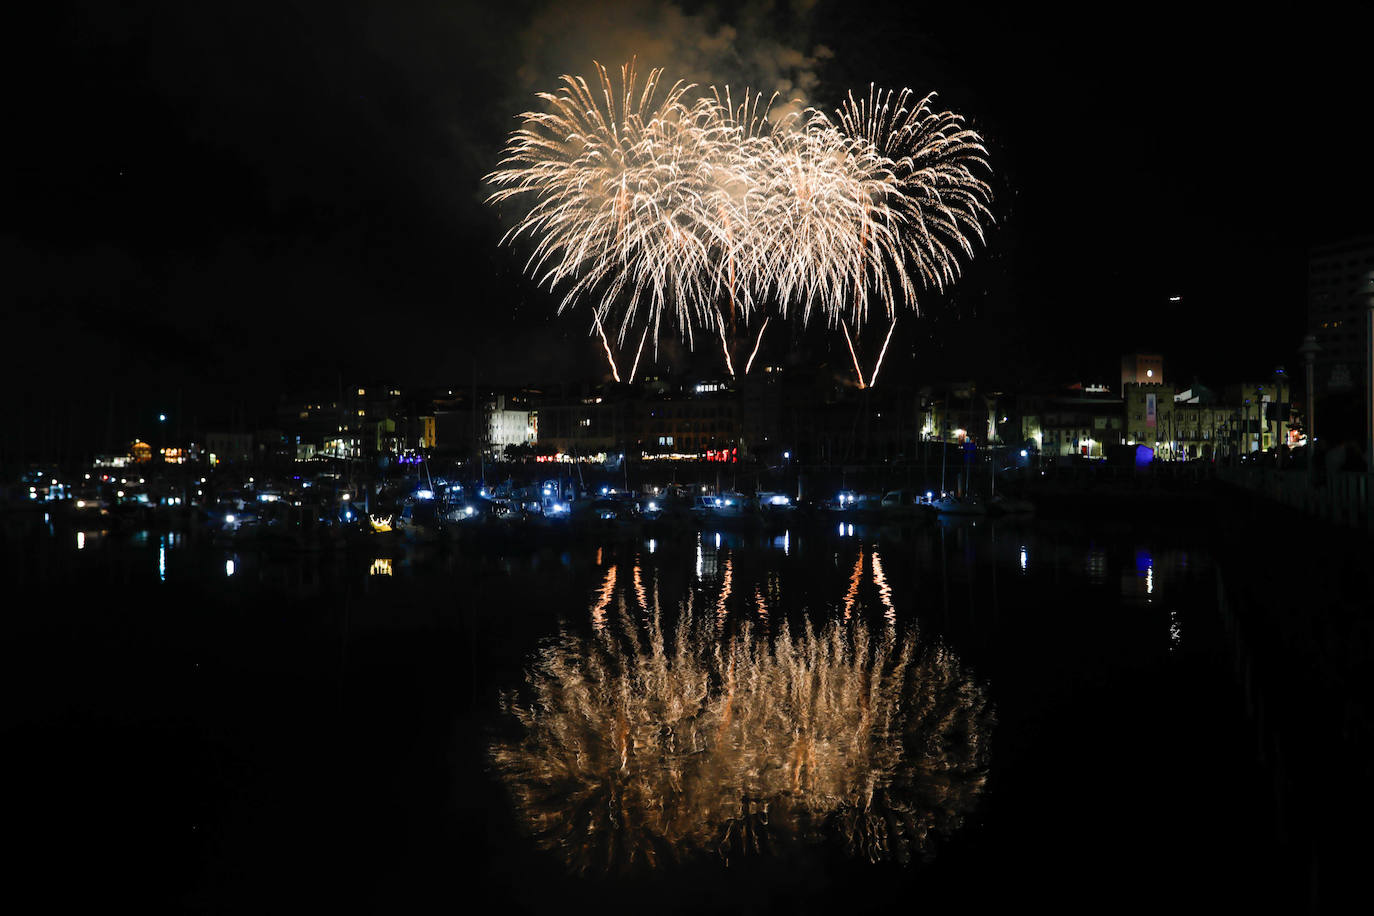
[968, 713]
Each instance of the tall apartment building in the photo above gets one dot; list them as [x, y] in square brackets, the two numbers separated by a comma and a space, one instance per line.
[1339, 285]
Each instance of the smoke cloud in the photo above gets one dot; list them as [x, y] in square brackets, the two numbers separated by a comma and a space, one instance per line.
[762, 45]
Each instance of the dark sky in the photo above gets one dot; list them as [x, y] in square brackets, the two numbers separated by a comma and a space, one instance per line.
[209, 204]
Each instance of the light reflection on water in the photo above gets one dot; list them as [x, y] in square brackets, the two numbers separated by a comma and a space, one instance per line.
[660, 739]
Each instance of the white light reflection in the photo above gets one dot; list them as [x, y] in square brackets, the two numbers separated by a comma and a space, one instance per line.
[1175, 632]
[699, 558]
[1150, 580]
[653, 545]
[228, 567]
[851, 530]
[1023, 558]
[162, 559]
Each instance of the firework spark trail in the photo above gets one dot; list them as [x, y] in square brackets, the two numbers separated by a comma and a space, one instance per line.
[873, 379]
[651, 205]
[638, 350]
[755, 352]
[857, 371]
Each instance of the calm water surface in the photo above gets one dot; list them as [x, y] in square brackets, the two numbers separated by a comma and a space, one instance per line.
[968, 715]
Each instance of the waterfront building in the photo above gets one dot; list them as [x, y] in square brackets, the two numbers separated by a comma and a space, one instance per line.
[581, 419]
[694, 419]
[231, 447]
[1082, 420]
[1263, 415]
[509, 422]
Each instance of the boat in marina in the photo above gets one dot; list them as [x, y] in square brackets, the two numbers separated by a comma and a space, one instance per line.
[725, 507]
[951, 504]
[776, 508]
[905, 504]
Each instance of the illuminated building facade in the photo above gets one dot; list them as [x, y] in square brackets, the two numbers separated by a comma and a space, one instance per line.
[1083, 421]
[509, 422]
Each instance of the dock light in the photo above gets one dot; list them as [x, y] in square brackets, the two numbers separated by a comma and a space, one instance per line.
[779, 500]
[162, 418]
[482, 492]
[345, 496]
[349, 515]
[653, 507]
[119, 493]
[929, 495]
[80, 504]
[1023, 453]
[729, 502]
[787, 456]
[548, 492]
[424, 494]
[468, 511]
[229, 518]
[717, 502]
[604, 491]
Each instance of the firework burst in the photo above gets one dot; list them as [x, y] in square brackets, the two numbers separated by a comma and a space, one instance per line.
[650, 204]
[612, 179]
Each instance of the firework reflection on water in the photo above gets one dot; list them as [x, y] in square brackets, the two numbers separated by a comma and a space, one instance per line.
[651, 741]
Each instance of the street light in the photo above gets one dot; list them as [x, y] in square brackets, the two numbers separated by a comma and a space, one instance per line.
[1308, 351]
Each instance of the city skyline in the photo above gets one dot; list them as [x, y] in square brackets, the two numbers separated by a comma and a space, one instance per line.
[217, 206]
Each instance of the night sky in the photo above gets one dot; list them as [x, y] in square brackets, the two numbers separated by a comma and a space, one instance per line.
[210, 204]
